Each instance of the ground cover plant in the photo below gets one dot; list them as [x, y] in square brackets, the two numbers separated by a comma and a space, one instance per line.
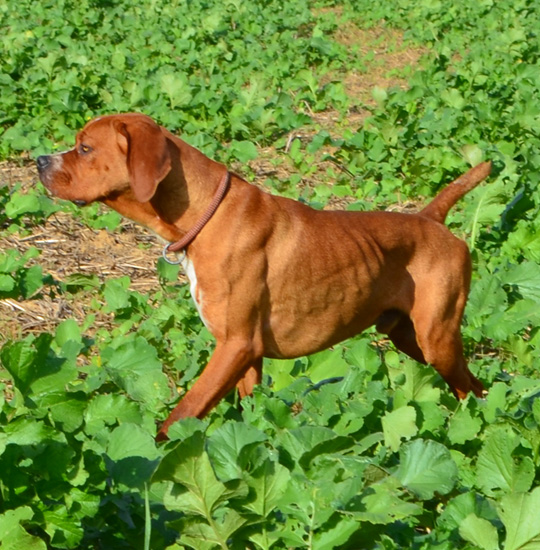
[340, 104]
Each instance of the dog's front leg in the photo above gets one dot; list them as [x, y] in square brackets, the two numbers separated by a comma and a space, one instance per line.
[232, 363]
[251, 378]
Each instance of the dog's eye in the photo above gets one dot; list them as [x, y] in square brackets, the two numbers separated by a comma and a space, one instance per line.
[83, 149]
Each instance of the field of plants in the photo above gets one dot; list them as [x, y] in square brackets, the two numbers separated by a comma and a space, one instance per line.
[339, 103]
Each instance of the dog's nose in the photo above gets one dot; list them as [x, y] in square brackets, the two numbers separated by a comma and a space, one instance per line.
[43, 161]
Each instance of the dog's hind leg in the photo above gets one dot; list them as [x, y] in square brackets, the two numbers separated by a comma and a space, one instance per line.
[437, 320]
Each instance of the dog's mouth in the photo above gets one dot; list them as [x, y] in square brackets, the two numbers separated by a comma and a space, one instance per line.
[79, 202]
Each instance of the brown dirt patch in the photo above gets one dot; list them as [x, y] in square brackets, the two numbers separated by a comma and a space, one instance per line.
[387, 60]
[69, 247]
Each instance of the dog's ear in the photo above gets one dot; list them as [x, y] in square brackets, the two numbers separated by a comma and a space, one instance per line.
[147, 154]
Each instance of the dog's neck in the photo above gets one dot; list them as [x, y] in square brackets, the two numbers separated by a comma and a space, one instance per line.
[188, 191]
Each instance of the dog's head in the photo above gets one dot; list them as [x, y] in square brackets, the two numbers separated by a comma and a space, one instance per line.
[112, 155]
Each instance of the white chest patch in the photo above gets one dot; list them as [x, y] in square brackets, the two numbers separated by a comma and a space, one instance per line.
[196, 292]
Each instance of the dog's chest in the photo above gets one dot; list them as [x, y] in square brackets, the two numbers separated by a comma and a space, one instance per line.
[196, 292]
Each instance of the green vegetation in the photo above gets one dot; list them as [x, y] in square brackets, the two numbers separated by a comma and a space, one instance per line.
[383, 459]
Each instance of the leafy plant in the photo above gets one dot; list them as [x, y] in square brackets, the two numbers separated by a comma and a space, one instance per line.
[357, 447]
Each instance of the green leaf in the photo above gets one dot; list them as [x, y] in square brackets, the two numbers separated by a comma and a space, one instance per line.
[244, 151]
[133, 452]
[106, 410]
[337, 536]
[399, 424]
[166, 271]
[526, 277]
[463, 505]
[28, 360]
[419, 382]
[66, 409]
[327, 364]
[177, 88]
[480, 532]
[473, 154]
[13, 536]
[134, 367]
[426, 468]
[31, 281]
[116, 293]
[215, 534]
[66, 331]
[463, 426]
[131, 440]
[382, 503]
[496, 468]
[195, 490]
[520, 513]
[269, 483]
[307, 442]
[64, 530]
[229, 449]
[495, 401]
[7, 283]
[453, 97]
[22, 204]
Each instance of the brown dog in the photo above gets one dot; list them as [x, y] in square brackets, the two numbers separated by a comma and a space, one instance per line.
[270, 276]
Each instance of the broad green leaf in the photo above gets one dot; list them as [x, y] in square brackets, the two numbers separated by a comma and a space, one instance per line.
[116, 293]
[108, 409]
[399, 424]
[215, 535]
[327, 364]
[66, 409]
[306, 502]
[453, 97]
[434, 416]
[426, 468]
[26, 431]
[66, 331]
[419, 383]
[463, 426]
[64, 530]
[31, 281]
[307, 442]
[526, 277]
[473, 154]
[131, 440]
[244, 151]
[495, 401]
[337, 536]
[196, 489]
[7, 283]
[480, 532]
[177, 88]
[135, 368]
[496, 468]
[22, 204]
[520, 513]
[13, 536]
[25, 359]
[229, 449]
[269, 483]
[382, 503]
[462, 506]
[167, 271]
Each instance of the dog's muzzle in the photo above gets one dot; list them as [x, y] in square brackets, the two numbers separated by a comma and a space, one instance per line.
[43, 162]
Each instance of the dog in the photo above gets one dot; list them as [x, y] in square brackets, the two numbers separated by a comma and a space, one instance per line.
[270, 276]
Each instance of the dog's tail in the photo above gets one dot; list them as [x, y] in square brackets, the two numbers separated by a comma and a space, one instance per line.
[439, 207]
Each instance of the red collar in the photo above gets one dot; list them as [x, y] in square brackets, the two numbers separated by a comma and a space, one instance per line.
[201, 222]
